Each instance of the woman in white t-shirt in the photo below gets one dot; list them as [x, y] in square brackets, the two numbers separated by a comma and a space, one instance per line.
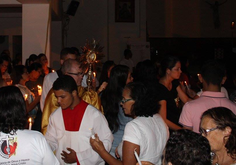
[18, 145]
[146, 134]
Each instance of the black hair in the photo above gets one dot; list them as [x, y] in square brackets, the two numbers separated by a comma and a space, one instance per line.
[167, 62]
[66, 83]
[145, 72]
[104, 73]
[185, 147]
[213, 72]
[127, 52]
[65, 52]
[146, 102]
[34, 66]
[224, 117]
[12, 110]
[112, 95]
[17, 73]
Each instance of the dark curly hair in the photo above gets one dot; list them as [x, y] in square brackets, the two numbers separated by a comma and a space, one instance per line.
[185, 147]
[224, 117]
[112, 95]
[146, 103]
[12, 110]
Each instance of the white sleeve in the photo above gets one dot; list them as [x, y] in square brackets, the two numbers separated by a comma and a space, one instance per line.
[50, 135]
[101, 128]
[47, 85]
[131, 134]
[48, 155]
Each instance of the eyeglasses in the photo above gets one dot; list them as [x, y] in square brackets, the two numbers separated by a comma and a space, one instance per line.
[205, 131]
[125, 100]
[76, 74]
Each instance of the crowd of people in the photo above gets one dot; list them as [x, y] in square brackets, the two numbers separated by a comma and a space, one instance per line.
[145, 114]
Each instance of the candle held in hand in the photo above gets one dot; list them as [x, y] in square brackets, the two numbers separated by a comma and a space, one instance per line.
[39, 90]
[30, 123]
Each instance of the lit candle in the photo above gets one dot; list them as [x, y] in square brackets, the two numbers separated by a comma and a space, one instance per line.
[198, 75]
[136, 155]
[26, 96]
[30, 123]
[94, 75]
[39, 90]
[185, 82]
[232, 24]
[53, 70]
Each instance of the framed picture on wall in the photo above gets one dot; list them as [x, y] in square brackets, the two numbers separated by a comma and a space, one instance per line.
[124, 10]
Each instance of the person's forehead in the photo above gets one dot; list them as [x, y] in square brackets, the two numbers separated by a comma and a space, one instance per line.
[70, 56]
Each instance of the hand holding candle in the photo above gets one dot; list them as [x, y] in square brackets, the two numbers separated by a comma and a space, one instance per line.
[39, 90]
[30, 123]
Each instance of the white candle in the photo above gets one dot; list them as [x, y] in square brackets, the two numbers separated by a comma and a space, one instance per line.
[136, 155]
[39, 90]
[30, 123]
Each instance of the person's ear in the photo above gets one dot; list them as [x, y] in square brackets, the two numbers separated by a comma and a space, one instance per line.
[200, 78]
[227, 131]
[74, 93]
[168, 71]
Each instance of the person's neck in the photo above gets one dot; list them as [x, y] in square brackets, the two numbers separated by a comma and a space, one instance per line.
[223, 158]
[166, 81]
[75, 102]
[211, 87]
[22, 82]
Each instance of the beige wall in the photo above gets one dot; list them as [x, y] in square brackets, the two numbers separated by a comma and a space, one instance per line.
[184, 18]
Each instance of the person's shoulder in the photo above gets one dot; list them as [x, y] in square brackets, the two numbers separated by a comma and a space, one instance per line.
[30, 133]
[52, 75]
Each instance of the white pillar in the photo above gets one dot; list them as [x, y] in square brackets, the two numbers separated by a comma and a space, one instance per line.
[35, 30]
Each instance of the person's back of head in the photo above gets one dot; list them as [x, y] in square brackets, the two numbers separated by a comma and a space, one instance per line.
[69, 64]
[104, 73]
[65, 83]
[65, 52]
[34, 66]
[17, 73]
[127, 53]
[145, 72]
[185, 147]
[213, 72]
[12, 110]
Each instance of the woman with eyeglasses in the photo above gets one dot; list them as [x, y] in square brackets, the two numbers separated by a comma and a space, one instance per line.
[218, 125]
[146, 134]
[111, 97]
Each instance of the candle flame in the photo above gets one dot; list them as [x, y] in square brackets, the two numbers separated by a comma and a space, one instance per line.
[26, 96]
[30, 120]
[39, 87]
[94, 74]
[53, 70]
